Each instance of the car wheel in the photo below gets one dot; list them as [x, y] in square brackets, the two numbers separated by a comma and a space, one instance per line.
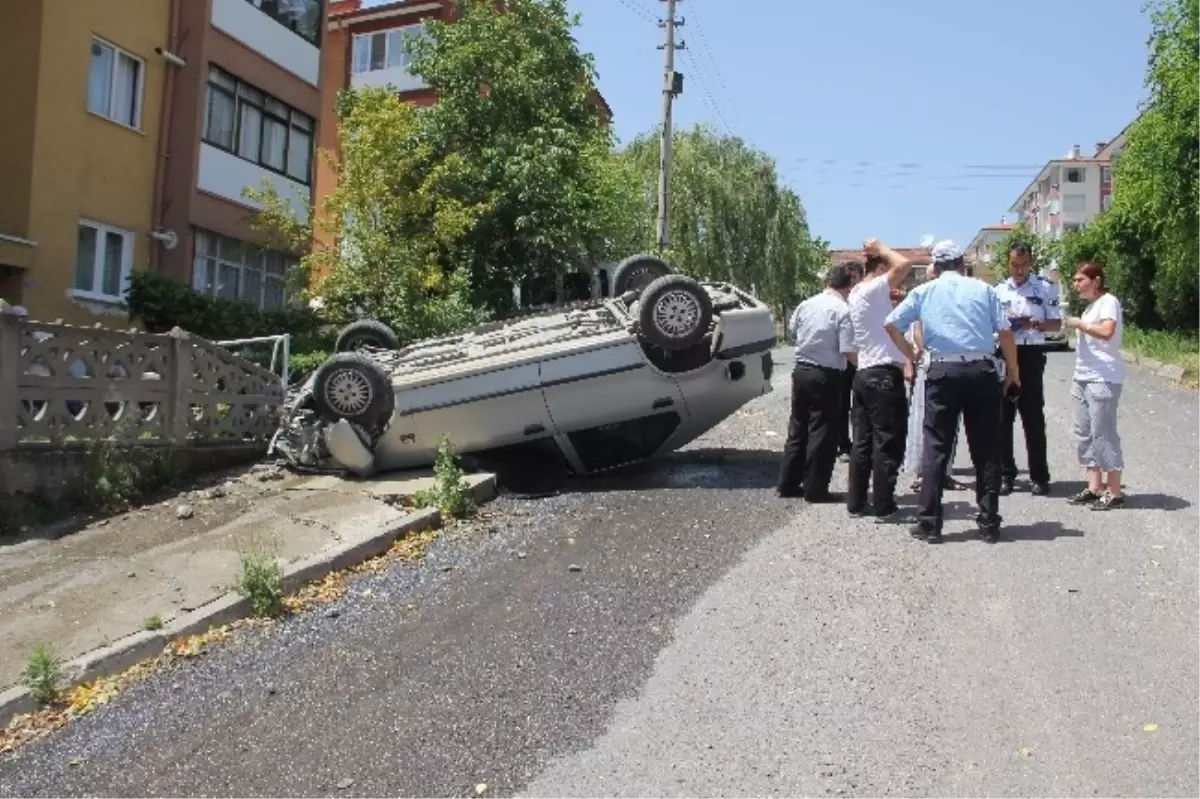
[366, 333]
[637, 272]
[675, 312]
[351, 386]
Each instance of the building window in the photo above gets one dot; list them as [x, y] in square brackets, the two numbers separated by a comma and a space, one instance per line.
[1106, 174]
[1106, 202]
[383, 50]
[1074, 203]
[103, 261]
[114, 88]
[302, 17]
[236, 270]
[257, 127]
[1076, 175]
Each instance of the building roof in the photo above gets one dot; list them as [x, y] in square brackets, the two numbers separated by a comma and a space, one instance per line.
[918, 255]
[1016, 206]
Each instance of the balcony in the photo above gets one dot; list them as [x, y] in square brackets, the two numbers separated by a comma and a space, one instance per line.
[225, 175]
[249, 22]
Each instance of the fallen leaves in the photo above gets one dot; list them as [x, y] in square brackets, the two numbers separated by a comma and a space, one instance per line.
[84, 698]
[1150, 727]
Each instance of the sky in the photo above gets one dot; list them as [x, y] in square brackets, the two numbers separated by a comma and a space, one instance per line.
[890, 119]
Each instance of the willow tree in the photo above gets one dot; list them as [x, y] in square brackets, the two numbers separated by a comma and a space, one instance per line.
[730, 217]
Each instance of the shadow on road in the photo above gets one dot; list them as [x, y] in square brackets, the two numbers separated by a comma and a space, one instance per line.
[724, 468]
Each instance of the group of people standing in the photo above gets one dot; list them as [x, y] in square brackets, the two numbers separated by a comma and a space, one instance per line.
[903, 367]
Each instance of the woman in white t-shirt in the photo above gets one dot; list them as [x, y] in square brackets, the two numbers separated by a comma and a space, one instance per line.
[1096, 392]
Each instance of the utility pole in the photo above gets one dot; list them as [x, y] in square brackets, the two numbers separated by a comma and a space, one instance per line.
[672, 86]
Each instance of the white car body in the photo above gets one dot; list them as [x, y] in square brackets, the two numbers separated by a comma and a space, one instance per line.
[580, 381]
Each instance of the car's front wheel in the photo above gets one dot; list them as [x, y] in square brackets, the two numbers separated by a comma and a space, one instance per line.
[674, 312]
[351, 386]
[366, 333]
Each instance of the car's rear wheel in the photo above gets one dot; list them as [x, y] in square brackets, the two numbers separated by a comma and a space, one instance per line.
[637, 272]
[351, 386]
[366, 333]
[674, 312]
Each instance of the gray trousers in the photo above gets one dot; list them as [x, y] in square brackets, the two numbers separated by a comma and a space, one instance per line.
[915, 448]
[1095, 425]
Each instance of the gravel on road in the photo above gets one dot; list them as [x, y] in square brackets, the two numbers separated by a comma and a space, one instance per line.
[678, 630]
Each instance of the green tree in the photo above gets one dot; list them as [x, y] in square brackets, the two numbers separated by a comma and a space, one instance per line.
[530, 153]
[730, 219]
[386, 243]
[1155, 225]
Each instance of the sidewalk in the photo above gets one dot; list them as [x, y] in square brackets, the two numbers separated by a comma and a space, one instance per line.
[84, 591]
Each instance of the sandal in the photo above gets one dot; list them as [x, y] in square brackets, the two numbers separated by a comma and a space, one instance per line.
[1084, 497]
[1109, 502]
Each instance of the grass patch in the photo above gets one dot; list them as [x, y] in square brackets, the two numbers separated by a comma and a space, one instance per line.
[1176, 348]
[261, 579]
[451, 494]
[42, 674]
[152, 623]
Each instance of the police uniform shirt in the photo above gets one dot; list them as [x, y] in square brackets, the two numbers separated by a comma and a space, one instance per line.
[1036, 298]
[820, 326]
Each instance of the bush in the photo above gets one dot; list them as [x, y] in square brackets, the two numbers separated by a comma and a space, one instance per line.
[451, 494]
[42, 674]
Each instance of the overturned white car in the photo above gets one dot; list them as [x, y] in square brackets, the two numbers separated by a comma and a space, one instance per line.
[610, 383]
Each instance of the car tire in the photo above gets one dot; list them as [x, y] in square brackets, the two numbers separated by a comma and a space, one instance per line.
[366, 333]
[675, 313]
[351, 386]
[637, 272]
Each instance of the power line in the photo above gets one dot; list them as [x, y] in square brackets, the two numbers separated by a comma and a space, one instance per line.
[720, 78]
[912, 165]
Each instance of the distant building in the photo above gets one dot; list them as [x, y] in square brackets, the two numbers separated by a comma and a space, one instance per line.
[979, 251]
[921, 257]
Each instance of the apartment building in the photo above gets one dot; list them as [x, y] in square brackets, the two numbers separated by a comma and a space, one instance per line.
[78, 151]
[137, 127]
[921, 258]
[1070, 191]
[979, 252]
[241, 111]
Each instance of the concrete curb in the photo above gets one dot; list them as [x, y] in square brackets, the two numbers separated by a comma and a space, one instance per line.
[1167, 371]
[133, 649]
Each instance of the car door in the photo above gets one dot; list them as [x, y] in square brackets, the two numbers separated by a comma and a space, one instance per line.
[610, 404]
[490, 409]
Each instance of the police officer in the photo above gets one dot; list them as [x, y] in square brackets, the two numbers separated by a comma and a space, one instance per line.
[1030, 303]
[820, 326]
[960, 318]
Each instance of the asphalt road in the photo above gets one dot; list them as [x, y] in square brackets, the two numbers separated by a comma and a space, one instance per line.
[713, 641]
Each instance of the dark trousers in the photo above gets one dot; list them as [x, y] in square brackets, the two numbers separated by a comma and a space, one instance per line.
[974, 390]
[843, 425]
[1031, 405]
[880, 417]
[811, 449]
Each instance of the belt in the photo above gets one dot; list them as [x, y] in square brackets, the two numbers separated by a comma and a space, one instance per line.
[960, 357]
[812, 365]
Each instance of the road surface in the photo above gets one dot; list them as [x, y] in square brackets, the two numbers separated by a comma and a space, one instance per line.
[682, 632]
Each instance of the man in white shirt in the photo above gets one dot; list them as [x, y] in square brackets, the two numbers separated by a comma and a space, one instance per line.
[1030, 302]
[879, 412]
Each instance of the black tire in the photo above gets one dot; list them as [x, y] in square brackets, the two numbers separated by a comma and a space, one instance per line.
[637, 272]
[366, 333]
[351, 386]
[675, 313]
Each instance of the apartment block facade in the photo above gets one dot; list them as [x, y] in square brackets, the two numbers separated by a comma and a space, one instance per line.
[1070, 191]
[147, 120]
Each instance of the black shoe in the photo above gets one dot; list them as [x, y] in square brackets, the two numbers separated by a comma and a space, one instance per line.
[823, 498]
[922, 533]
[1040, 489]
[1084, 497]
[954, 485]
[990, 535]
[1006, 487]
[886, 511]
[789, 493]
[1108, 502]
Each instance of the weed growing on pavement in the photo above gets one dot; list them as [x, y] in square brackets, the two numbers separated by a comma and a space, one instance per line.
[42, 674]
[114, 474]
[451, 494]
[152, 623]
[261, 580]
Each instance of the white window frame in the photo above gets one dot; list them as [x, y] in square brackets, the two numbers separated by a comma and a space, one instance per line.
[414, 29]
[1082, 200]
[1081, 171]
[290, 262]
[139, 89]
[96, 292]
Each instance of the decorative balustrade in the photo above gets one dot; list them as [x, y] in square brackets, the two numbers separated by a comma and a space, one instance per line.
[61, 384]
